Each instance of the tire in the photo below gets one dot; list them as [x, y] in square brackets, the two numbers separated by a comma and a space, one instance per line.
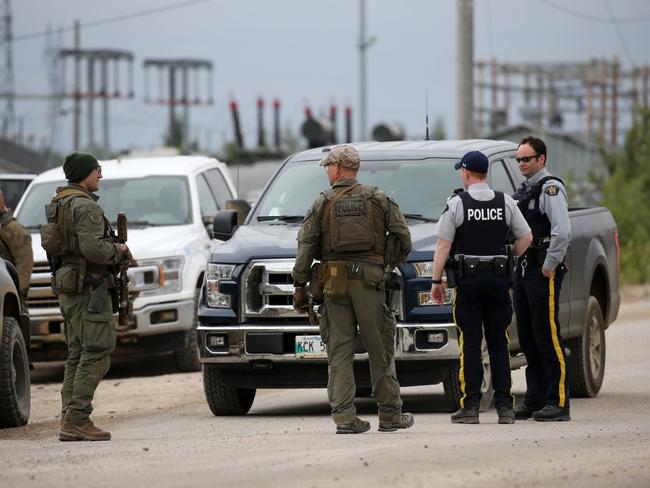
[14, 376]
[224, 398]
[588, 353]
[187, 359]
[451, 383]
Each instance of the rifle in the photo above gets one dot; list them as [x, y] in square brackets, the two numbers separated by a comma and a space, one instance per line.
[125, 309]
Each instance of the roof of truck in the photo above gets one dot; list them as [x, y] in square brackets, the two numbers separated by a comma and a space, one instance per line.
[415, 149]
[140, 167]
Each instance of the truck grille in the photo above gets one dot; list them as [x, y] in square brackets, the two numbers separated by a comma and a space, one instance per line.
[268, 290]
[40, 289]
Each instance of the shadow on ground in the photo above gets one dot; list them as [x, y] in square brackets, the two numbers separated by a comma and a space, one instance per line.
[120, 368]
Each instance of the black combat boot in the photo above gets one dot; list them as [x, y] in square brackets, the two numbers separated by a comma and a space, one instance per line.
[506, 415]
[356, 426]
[552, 413]
[523, 411]
[466, 415]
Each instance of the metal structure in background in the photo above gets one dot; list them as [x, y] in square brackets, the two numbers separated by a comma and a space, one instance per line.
[106, 66]
[464, 73]
[8, 114]
[364, 44]
[596, 98]
[194, 76]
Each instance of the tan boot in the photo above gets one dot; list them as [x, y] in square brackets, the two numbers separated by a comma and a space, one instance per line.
[85, 431]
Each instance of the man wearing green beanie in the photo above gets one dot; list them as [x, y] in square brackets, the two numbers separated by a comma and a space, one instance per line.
[85, 261]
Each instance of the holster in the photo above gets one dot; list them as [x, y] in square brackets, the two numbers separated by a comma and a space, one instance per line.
[451, 270]
[98, 292]
[316, 282]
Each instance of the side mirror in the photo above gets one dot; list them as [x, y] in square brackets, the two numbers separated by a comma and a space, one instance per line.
[240, 206]
[224, 224]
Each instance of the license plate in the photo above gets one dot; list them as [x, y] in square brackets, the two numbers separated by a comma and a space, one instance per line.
[310, 346]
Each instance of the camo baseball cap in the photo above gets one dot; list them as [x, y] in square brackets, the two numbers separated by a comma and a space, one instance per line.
[345, 156]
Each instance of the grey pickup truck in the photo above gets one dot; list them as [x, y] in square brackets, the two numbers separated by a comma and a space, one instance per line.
[250, 336]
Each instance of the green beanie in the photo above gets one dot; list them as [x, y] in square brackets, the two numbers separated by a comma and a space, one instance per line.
[78, 165]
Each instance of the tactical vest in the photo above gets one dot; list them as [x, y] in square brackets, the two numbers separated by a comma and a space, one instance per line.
[58, 237]
[539, 223]
[352, 225]
[484, 229]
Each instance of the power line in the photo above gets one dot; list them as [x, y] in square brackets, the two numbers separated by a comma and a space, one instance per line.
[119, 18]
[620, 34]
[638, 19]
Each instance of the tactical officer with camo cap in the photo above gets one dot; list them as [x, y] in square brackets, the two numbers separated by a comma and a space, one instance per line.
[85, 262]
[349, 228]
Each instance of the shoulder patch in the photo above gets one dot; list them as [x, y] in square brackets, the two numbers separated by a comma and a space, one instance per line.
[552, 190]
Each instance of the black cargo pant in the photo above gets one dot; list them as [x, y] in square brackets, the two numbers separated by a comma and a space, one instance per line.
[482, 302]
[537, 308]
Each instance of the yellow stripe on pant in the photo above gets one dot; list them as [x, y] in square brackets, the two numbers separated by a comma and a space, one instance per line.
[556, 340]
[461, 373]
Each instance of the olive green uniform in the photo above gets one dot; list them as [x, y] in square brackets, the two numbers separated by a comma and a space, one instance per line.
[92, 255]
[16, 247]
[359, 298]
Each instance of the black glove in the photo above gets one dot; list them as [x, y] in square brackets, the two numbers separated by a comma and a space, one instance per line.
[300, 300]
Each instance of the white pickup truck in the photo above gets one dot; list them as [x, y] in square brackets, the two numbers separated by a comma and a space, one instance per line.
[168, 202]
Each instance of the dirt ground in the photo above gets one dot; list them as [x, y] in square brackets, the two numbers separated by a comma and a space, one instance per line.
[164, 434]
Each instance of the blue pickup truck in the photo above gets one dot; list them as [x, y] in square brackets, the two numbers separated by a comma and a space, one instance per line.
[250, 336]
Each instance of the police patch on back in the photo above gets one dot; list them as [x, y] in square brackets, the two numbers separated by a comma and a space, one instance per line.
[552, 190]
[347, 207]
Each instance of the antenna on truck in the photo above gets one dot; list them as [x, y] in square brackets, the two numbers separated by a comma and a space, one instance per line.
[426, 137]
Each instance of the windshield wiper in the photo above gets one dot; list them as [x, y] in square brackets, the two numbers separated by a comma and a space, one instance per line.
[284, 218]
[419, 217]
[33, 227]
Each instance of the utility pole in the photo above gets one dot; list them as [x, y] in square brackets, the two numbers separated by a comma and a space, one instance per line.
[364, 44]
[76, 143]
[8, 122]
[464, 71]
[174, 68]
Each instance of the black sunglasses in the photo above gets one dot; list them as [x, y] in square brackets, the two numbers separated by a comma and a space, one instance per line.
[526, 159]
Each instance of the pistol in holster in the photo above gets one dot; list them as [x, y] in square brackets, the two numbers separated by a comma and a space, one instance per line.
[98, 292]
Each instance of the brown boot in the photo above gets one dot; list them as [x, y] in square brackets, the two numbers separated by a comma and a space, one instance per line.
[85, 431]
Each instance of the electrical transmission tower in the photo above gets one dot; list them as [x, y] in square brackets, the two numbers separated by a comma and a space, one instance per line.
[7, 124]
[105, 65]
[197, 91]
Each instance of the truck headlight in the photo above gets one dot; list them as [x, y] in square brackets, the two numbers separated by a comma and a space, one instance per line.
[216, 274]
[170, 271]
[425, 270]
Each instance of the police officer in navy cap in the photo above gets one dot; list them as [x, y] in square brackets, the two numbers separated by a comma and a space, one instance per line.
[474, 230]
[543, 200]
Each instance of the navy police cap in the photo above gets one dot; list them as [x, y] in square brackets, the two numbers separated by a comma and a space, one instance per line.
[474, 161]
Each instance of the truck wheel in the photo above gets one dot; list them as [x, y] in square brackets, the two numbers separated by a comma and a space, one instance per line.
[187, 359]
[224, 398]
[451, 384]
[14, 376]
[587, 360]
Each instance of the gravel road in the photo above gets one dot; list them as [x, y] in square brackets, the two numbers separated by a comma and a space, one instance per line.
[164, 435]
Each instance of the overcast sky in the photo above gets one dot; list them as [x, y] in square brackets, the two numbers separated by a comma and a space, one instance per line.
[305, 52]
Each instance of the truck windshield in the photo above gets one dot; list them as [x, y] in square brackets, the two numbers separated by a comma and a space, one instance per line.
[149, 201]
[420, 188]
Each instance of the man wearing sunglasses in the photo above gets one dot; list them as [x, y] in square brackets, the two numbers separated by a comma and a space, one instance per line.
[542, 199]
